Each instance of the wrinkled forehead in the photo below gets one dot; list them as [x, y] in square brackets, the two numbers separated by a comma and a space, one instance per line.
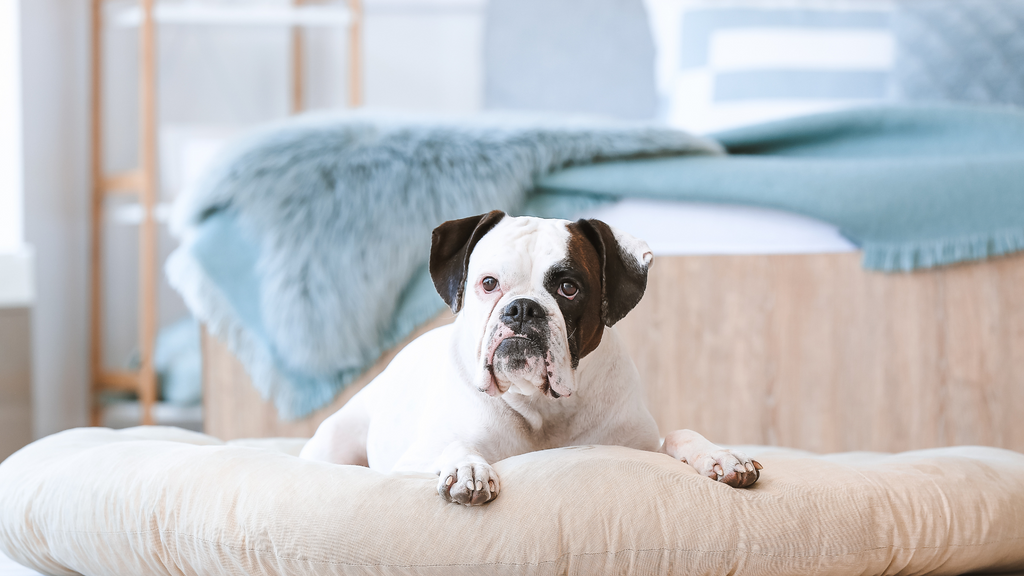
[520, 249]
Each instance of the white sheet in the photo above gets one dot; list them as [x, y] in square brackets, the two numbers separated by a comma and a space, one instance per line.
[678, 228]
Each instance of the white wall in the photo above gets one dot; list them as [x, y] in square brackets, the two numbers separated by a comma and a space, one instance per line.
[425, 54]
[54, 53]
[10, 129]
[15, 260]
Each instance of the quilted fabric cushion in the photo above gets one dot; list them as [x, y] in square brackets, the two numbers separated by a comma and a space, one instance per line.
[722, 64]
[960, 50]
[163, 501]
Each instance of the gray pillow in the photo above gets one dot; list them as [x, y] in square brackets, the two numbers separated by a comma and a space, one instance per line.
[578, 56]
[959, 50]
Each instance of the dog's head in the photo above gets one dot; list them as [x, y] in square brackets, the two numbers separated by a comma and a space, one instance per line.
[534, 295]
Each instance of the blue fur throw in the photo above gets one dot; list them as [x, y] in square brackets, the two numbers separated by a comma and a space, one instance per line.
[311, 261]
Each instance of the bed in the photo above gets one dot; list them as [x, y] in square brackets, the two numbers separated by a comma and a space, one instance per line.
[772, 315]
[751, 309]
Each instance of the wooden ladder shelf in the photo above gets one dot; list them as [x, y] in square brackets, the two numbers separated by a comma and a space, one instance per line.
[142, 184]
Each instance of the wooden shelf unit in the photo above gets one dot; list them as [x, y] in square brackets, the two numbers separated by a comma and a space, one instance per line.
[142, 183]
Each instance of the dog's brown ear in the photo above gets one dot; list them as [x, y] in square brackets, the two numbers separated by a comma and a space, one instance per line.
[624, 264]
[450, 247]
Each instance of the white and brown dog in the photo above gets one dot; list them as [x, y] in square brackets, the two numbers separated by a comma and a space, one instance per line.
[530, 363]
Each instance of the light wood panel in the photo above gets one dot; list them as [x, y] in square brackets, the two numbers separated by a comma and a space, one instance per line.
[147, 200]
[99, 187]
[808, 351]
[355, 55]
[813, 352]
[15, 380]
[298, 67]
[232, 408]
[355, 59]
[142, 183]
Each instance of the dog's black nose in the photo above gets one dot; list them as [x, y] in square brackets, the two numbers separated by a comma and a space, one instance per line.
[521, 312]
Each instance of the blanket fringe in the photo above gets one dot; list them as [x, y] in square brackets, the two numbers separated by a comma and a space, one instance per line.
[910, 256]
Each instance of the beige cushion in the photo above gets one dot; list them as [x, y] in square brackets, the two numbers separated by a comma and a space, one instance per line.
[164, 501]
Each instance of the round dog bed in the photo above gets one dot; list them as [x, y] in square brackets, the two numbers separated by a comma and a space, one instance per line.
[165, 501]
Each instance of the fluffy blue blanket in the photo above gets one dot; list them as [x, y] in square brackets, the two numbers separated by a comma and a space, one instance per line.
[304, 249]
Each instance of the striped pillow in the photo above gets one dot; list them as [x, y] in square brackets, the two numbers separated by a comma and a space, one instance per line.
[725, 64]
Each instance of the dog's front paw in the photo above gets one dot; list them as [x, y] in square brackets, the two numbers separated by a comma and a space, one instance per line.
[727, 466]
[469, 483]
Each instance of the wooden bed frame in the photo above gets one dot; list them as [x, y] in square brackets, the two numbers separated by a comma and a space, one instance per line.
[806, 351]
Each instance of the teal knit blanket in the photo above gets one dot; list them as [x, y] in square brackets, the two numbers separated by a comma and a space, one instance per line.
[912, 187]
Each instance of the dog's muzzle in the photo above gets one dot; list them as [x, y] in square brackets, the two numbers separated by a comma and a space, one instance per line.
[514, 353]
[523, 351]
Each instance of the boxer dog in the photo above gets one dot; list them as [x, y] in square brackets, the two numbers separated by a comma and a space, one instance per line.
[531, 362]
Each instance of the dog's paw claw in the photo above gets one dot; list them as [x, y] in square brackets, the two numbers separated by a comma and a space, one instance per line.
[728, 467]
[469, 484]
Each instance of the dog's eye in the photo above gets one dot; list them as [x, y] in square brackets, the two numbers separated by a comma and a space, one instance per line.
[568, 289]
[490, 284]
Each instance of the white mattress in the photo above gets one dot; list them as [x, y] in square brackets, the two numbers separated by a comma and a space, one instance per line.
[678, 228]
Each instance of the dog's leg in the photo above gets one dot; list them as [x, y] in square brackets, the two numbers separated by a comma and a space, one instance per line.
[715, 462]
[341, 438]
[464, 477]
